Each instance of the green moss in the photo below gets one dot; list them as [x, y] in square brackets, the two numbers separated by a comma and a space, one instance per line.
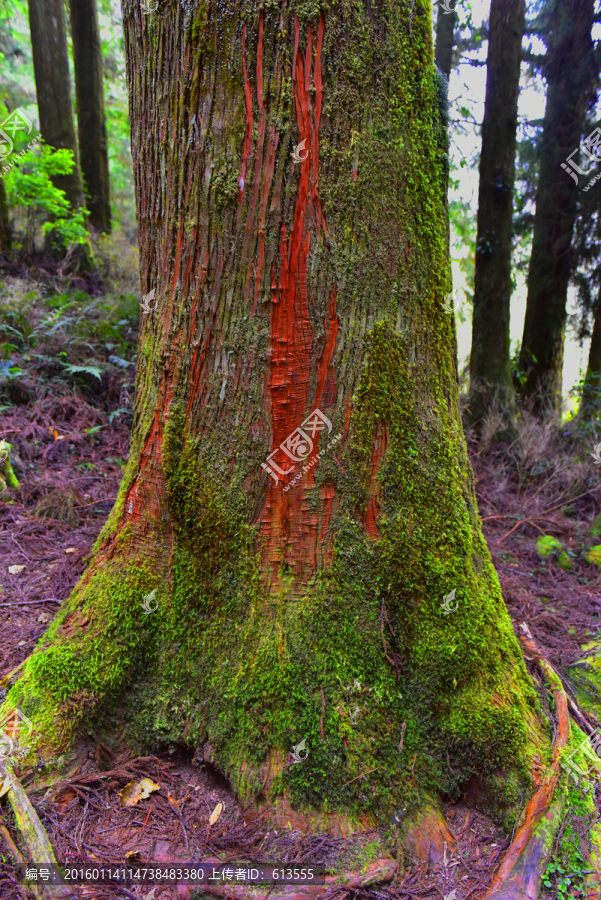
[593, 555]
[7, 475]
[569, 863]
[550, 548]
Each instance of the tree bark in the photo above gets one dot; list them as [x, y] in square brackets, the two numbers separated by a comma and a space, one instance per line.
[445, 38]
[298, 492]
[490, 366]
[51, 70]
[91, 121]
[572, 76]
[5, 232]
[591, 392]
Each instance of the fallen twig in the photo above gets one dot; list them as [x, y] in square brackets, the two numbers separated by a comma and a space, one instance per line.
[34, 835]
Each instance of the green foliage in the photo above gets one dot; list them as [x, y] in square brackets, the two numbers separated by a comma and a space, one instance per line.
[64, 339]
[568, 866]
[88, 370]
[29, 184]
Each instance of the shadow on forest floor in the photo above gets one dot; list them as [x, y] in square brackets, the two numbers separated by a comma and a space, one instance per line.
[66, 385]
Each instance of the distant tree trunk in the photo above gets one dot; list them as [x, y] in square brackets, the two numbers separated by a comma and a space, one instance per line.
[5, 235]
[445, 38]
[51, 69]
[490, 368]
[91, 121]
[591, 392]
[571, 75]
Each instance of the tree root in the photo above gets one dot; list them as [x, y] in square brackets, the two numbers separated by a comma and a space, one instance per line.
[517, 878]
[379, 872]
[521, 870]
[39, 848]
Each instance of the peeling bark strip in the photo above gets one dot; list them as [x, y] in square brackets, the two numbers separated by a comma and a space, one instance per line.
[291, 533]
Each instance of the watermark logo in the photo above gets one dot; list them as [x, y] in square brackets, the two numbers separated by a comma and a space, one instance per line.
[5, 452]
[148, 601]
[298, 445]
[590, 748]
[13, 728]
[446, 7]
[453, 895]
[17, 722]
[6, 785]
[147, 7]
[298, 750]
[591, 149]
[313, 462]
[7, 746]
[145, 304]
[296, 155]
[446, 607]
[16, 121]
[451, 302]
[597, 454]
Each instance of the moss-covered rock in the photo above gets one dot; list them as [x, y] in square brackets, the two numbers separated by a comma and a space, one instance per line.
[550, 548]
[593, 555]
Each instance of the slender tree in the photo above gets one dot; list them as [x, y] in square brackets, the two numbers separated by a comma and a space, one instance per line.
[298, 507]
[571, 72]
[51, 69]
[446, 19]
[490, 369]
[91, 121]
[591, 390]
[5, 233]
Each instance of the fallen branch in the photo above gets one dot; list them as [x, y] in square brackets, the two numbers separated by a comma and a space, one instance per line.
[379, 872]
[532, 521]
[16, 854]
[39, 848]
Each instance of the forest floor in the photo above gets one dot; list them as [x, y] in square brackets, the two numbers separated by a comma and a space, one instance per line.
[66, 388]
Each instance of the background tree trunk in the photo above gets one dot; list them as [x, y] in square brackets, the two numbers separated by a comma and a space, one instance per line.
[299, 574]
[445, 38]
[591, 392]
[490, 367]
[572, 75]
[91, 122]
[5, 232]
[51, 69]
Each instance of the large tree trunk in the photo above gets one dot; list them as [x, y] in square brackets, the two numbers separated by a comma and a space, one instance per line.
[571, 75]
[490, 367]
[298, 491]
[51, 69]
[445, 37]
[91, 122]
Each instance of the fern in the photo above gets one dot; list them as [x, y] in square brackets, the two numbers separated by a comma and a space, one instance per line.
[87, 370]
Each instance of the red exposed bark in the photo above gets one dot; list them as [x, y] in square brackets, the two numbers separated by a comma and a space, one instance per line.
[292, 534]
[371, 516]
